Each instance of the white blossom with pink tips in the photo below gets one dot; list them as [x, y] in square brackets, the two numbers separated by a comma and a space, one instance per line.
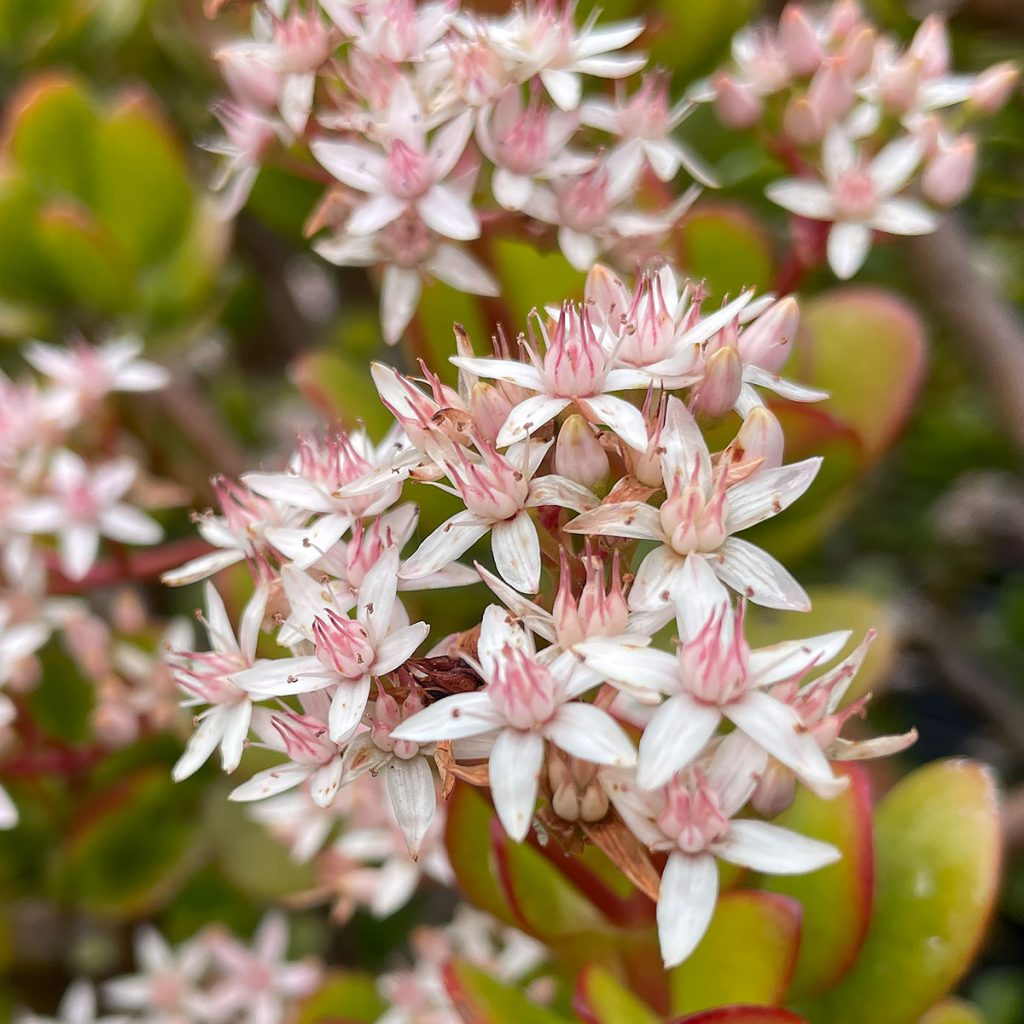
[526, 701]
[858, 195]
[692, 819]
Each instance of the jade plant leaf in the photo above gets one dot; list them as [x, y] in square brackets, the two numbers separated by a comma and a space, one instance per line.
[866, 347]
[937, 844]
[343, 996]
[953, 1011]
[742, 1015]
[342, 390]
[725, 246]
[600, 998]
[748, 954]
[836, 900]
[480, 999]
[530, 277]
[691, 36]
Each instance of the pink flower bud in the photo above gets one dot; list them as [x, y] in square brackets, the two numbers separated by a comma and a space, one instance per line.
[928, 131]
[578, 453]
[844, 18]
[759, 439]
[718, 392]
[489, 409]
[993, 86]
[251, 82]
[776, 789]
[802, 122]
[930, 46]
[899, 87]
[948, 176]
[736, 103]
[798, 41]
[767, 341]
[831, 91]
[858, 50]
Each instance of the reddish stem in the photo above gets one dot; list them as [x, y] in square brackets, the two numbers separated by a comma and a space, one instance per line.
[144, 565]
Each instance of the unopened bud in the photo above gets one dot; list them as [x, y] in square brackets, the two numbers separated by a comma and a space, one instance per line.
[930, 46]
[736, 103]
[489, 409]
[565, 802]
[767, 341]
[776, 789]
[594, 803]
[719, 391]
[900, 86]
[844, 17]
[831, 91]
[801, 121]
[948, 176]
[858, 50]
[993, 86]
[578, 453]
[251, 81]
[759, 439]
[799, 41]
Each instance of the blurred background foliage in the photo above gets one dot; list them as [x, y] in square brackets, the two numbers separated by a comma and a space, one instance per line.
[916, 523]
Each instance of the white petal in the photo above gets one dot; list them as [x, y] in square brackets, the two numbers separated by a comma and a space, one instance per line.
[564, 87]
[79, 543]
[698, 596]
[457, 268]
[587, 732]
[561, 491]
[129, 525]
[347, 707]
[377, 594]
[271, 782]
[904, 217]
[773, 850]
[511, 190]
[619, 519]
[685, 452]
[358, 166]
[201, 744]
[767, 493]
[514, 768]
[579, 249]
[848, 246]
[838, 154]
[633, 664]
[736, 766]
[895, 164]
[678, 731]
[658, 581]
[625, 420]
[529, 416]
[414, 798]
[202, 567]
[792, 658]
[236, 729]
[398, 647]
[778, 728]
[444, 545]
[516, 549]
[399, 294]
[449, 214]
[375, 213]
[686, 904]
[806, 198]
[755, 574]
[454, 717]
[501, 369]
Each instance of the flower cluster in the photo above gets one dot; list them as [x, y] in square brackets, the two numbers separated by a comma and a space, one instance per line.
[575, 457]
[69, 480]
[430, 122]
[211, 979]
[873, 132]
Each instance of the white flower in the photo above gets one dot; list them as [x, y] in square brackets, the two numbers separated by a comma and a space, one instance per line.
[858, 196]
[527, 701]
[77, 1007]
[699, 517]
[84, 504]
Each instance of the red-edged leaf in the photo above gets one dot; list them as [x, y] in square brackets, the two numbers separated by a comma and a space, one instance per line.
[836, 900]
[600, 998]
[748, 954]
[480, 999]
[744, 1015]
[937, 843]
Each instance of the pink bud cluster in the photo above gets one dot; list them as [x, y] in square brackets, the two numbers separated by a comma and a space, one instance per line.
[590, 504]
[431, 123]
[212, 977]
[874, 132]
[69, 480]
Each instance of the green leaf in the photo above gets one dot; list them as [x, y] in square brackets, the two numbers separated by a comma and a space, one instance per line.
[343, 996]
[865, 346]
[342, 390]
[24, 271]
[747, 955]
[836, 900]
[142, 189]
[834, 608]
[130, 846]
[532, 278]
[743, 1015]
[690, 36]
[62, 703]
[953, 1011]
[51, 126]
[600, 998]
[723, 244]
[85, 258]
[430, 333]
[480, 999]
[937, 848]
